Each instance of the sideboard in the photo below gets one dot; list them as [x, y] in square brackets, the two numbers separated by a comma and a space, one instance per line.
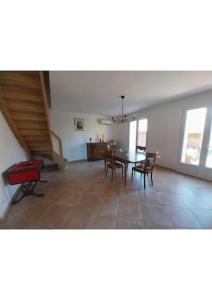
[95, 151]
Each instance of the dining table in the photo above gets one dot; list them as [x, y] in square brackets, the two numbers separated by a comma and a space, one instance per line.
[127, 157]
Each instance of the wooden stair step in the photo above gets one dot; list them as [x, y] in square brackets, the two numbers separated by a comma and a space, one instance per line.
[43, 145]
[9, 85]
[40, 149]
[32, 73]
[26, 79]
[25, 106]
[35, 132]
[36, 138]
[31, 125]
[28, 116]
[15, 85]
[41, 152]
[12, 94]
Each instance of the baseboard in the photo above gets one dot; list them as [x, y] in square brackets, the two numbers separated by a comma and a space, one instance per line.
[193, 176]
[167, 168]
[78, 160]
[14, 197]
[182, 173]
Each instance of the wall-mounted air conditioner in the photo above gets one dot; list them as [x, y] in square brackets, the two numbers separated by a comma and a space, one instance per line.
[105, 122]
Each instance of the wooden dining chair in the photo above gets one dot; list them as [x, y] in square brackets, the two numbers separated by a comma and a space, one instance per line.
[111, 163]
[146, 167]
[107, 153]
[140, 148]
[107, 157]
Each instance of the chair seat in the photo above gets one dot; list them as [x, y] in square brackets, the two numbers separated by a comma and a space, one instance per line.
[141, 169]
[114, 164]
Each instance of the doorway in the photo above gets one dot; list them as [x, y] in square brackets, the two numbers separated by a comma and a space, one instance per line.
[137, 134]
[196, 147]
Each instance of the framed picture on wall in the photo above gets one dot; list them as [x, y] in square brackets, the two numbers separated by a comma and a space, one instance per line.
[79, 124]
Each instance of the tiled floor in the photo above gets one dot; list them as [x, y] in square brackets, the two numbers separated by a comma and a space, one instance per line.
[81, 197]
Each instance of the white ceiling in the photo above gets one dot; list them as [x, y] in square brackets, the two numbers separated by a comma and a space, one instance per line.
[98, 92]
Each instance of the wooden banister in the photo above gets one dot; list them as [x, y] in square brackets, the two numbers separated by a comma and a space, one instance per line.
[58, 157]
[59, 142]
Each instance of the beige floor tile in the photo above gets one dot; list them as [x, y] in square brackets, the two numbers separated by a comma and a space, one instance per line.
[130, 207]
[204, 217]
[170, 199]
[195, 202]
[182, 218]
[18, 223]
[156, 214]
[129, 223]
[74, 219]
[102, 222]
[152, 225]
[107, 206]
[81, 197]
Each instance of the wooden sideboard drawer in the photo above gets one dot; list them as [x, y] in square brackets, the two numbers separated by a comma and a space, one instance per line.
[95, 151]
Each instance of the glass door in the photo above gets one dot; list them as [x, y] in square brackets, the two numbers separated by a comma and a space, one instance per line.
[196, 152]
[132, 135]
[208, 163]
[206, 171]
[137, 134]
[142, 132]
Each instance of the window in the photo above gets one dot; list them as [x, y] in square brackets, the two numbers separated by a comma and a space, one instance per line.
[209, 154]
[193, 136]
[142, 131]
[138, 132]
[132, 141]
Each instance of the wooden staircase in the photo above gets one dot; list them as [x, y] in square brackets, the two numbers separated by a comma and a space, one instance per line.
[23, 102]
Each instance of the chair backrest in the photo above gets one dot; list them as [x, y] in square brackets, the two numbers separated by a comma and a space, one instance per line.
[150, 160]
[111, 147]
[141, 148]
[108, 155]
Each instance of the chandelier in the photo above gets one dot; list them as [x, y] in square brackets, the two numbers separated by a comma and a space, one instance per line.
[123, 118]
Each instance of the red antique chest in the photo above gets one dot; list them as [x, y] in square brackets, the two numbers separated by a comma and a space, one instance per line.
[24, 172]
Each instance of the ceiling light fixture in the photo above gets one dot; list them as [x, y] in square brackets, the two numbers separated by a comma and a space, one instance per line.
[123, 118]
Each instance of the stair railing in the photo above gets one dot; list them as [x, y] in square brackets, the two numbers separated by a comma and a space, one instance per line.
[57, 149]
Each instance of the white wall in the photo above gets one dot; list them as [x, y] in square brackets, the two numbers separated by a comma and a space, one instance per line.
[74, 142]
[165, 125]
[10, 153]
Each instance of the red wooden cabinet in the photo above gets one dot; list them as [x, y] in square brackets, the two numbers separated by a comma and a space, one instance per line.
[24, 172]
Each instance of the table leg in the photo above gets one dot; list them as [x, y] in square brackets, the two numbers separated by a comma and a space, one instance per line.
[125, 172]
[28, 189]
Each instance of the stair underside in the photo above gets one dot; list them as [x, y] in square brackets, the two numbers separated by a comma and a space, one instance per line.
[23, 99]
